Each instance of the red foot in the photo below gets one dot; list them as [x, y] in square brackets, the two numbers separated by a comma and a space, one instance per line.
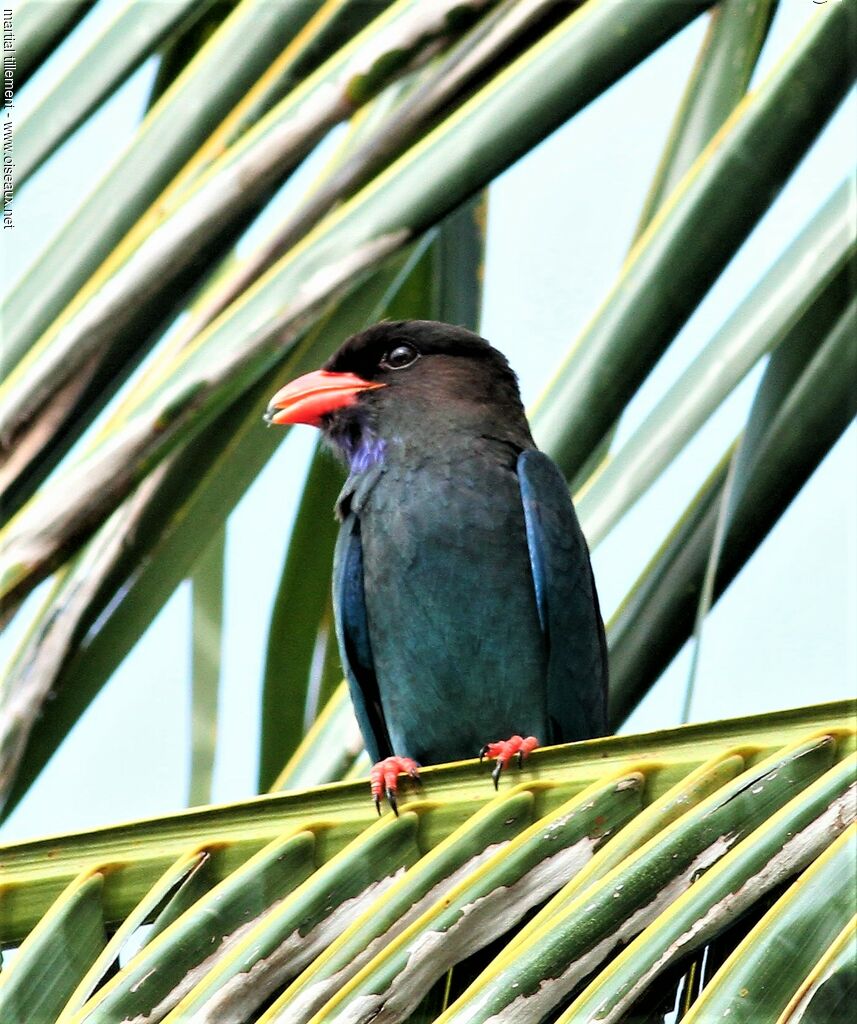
[503, 750]
[385, 776]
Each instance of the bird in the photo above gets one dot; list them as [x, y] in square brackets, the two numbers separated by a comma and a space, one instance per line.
[464, 599]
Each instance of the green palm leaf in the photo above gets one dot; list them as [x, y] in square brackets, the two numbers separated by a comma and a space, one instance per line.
[39, 28]
[816, 908]
[230, 61]
[136, 32]
[766, 317]
[795, 399]
[290, 876]
[637, 321]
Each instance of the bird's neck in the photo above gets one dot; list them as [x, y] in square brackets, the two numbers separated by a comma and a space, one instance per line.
[363, 451]
[353, 437]
[422, 432]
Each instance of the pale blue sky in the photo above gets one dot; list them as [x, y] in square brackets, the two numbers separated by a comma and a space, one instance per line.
[559, 225]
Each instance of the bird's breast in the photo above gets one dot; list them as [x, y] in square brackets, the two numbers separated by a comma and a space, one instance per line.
[455, 633]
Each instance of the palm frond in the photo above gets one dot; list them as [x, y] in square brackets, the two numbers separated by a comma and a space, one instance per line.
[304, 898]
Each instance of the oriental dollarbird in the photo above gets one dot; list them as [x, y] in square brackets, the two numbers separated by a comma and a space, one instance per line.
[465, 604]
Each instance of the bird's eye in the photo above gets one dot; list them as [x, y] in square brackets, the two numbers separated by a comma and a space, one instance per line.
[401, 355]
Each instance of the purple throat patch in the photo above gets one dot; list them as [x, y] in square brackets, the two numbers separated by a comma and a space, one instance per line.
[368, 452]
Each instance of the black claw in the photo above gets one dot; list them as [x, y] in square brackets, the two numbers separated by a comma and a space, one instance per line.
[482, 753]
[378, 805]
[495, 775]
[391, 796]
[520, 757]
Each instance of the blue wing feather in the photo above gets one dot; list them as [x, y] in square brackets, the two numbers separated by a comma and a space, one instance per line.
[352, 634]
[567, 602]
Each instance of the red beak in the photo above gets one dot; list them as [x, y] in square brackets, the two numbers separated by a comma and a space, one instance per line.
[310, 397]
